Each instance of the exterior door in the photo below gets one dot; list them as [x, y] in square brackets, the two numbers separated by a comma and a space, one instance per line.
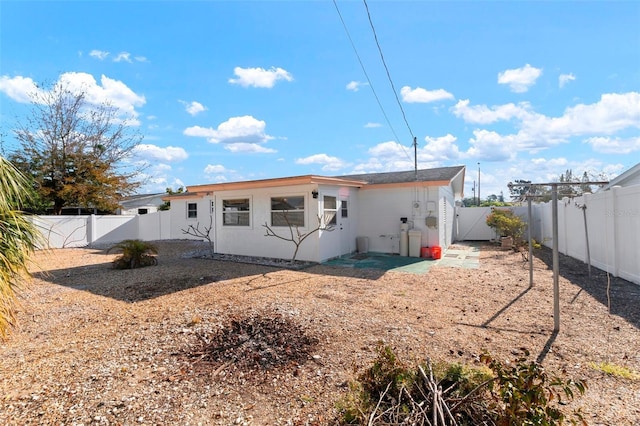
[344, 226]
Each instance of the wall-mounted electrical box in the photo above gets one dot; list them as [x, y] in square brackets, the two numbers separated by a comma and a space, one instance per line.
[431, 222]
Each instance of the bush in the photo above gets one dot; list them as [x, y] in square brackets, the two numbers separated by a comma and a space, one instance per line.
[506, 224]
[134, 254]
[518, 393]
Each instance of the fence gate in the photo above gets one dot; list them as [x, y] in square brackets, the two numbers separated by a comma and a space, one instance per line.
[471, 224]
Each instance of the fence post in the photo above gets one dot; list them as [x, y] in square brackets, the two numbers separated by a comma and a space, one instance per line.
[616, 224]
[92, 227]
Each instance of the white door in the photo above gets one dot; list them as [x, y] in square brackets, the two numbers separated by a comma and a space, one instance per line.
[347, 242]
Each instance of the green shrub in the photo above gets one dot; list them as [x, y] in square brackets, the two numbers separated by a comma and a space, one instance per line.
[134, 254]
[506, 224]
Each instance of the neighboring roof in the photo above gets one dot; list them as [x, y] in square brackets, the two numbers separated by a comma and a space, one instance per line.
[441, 174]
[142, 196]
[628, 178]
[426, 177]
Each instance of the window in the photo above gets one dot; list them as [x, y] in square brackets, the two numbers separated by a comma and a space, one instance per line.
[143, 211]
[343, 208]
[236, 212]
[330, 210]
[287, 211]
[192, 210]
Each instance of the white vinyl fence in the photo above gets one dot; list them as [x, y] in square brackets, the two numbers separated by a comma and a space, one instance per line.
[82, 231]
[613, 228]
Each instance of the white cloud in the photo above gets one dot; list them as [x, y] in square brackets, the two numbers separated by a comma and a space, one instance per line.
[612, 113]
[245, 129]
[482, 114]
[214, 168]
[153, 152]
[99, 54]
[123, 56]
[354, 86]
[328, 163]
[439, 149]
[372, 125]
[141, 59]
[193, 108]
[489, 145]
[20, 89]
[553, 162]
[520, 79]
[248, 148]
[565, 78]
[420, 95]
[606, 145]
[259, 77]
[113, 92]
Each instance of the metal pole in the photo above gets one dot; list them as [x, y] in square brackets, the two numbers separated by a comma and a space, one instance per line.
[478, 184]
[586, 236]
[415, 155]
[530, 242]
[556, 260]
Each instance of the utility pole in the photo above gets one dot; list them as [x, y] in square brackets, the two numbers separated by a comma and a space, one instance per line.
[478, 184]
[415, 156]
[474, 191]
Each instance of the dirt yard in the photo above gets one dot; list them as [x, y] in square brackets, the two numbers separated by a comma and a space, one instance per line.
[200, 341]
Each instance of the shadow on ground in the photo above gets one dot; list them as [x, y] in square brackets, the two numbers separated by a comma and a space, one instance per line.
[619, 295]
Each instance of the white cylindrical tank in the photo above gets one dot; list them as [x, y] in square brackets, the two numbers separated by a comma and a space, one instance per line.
[404, 239]
[415, 242]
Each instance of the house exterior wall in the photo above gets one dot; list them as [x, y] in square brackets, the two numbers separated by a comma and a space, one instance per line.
[380, 210]
[135, 210]
[250, 240]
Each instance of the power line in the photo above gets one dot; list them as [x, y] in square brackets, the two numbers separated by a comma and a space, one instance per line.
[344, 25]
[395, 93]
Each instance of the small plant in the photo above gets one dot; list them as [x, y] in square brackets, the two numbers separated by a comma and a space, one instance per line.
[506, 224]
[134, 254]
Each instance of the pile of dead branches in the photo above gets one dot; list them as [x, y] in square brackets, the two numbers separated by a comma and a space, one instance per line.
[256, 341]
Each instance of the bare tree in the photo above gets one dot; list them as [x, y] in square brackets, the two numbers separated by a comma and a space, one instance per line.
[205, 233]
[296, 236]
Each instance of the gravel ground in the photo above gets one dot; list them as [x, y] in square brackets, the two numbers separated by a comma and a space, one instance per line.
[213, 342]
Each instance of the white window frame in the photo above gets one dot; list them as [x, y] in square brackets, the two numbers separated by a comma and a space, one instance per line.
[330, 214]
[194, 211]
[240, 213]
[297, 212]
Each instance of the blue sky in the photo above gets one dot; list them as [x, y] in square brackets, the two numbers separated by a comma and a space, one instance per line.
[227, 91]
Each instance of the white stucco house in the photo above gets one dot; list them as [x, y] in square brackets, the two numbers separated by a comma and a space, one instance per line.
[357, 207]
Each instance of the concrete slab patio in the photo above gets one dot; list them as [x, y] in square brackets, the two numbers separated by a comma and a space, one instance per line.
[460, 255]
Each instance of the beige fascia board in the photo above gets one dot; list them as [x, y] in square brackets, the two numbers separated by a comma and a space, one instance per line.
[270, 183]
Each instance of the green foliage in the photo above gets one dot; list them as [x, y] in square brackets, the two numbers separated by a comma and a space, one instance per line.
[506, 224]
[19, 238]
[518, 393]
[525, 394]
[134, 254]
